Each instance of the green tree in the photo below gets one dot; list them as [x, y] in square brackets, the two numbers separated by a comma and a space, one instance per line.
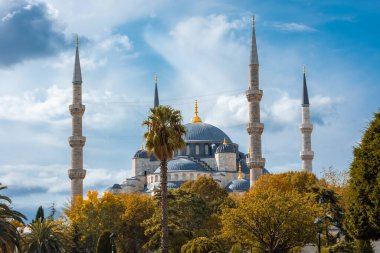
[40, 214]
[104, 243]
[9, 218]
[363, 212]
[270, 219]
[201, 245]
[164, 136]
[45, 236]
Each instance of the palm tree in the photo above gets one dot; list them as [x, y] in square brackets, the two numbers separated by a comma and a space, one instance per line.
[44, 237]
[164, 136]
[9, 236]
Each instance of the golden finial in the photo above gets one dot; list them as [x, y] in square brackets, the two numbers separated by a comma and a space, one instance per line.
[225, 141]
[196, 118]
[240, 172]
[155, 78]
[304, 69]
[77, 40]
[142, 147]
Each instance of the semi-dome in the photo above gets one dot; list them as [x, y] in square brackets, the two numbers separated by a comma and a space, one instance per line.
[141, 154]
[204, 132]
[182, 164]
[240, 185]
[225, 148]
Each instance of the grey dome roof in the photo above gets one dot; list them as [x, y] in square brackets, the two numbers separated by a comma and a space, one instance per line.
[183, 164]
[141, 154]
[225, 148]
[172, 185]
[204, 132]
[240, 185]
[116, 186]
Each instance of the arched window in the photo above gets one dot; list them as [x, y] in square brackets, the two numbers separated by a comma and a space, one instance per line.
[187, 149]
[197, 149]
[207, 149]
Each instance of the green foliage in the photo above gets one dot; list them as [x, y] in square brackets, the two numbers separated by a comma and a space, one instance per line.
[341, 247]
[10, 239]
[363, 212]
[201, 245]
[104, 243]
[45, 237]
[363, 246]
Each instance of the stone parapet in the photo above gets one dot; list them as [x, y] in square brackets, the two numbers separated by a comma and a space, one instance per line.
[77, 141]
[77, 173]
[77, 109]
[254, 94]
[255, 162]
[255, 127]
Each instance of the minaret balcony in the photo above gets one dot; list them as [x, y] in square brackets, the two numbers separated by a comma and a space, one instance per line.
[76, 109]
[77, 173]
[307, 155]
[254, 94]
[255, 162]
[306, 127]
[77, 141]
[256, 127]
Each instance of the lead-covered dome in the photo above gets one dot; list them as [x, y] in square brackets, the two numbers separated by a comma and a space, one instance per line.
[204, 132]
[240, 185]
[225, 148]
[141, 154]
[183, 164]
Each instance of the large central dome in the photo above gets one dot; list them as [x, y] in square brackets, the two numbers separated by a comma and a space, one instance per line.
[205, 132]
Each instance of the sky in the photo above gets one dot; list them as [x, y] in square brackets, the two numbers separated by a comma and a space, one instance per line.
[199, 50]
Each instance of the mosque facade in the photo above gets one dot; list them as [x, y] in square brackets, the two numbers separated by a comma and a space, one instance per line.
[209, 151]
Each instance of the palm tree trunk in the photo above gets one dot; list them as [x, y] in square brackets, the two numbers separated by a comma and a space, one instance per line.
[164, 205]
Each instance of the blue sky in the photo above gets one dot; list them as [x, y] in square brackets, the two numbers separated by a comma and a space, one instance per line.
[199, 50]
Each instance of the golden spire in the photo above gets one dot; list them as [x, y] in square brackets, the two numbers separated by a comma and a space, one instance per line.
[196, 118]
[77, 40]
[240, 172]
[225, 141]
[142, 147]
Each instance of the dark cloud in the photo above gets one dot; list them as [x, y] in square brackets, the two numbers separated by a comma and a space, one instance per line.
[27, 32]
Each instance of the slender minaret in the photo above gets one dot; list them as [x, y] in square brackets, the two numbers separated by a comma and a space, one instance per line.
[156, 100]
[306, 127]
[77, 141]
[255, 128]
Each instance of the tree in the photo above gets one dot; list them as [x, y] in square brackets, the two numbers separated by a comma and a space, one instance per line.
[164, 136]
[9, 236]
[271, 219]
[39, 215]
[104, 243]
[45, 236]
[363, 212]
[201, 245]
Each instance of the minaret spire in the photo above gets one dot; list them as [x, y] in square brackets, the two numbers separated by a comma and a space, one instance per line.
[255, 128]
[306, 127]
[77, 141]
[156, 99]
[196, 118]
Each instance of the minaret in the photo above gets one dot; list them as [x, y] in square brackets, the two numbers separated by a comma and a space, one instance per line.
[156, 100]
[255, 128]
[77, 141]
[306, 127]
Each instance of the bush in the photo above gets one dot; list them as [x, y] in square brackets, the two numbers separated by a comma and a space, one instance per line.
[104, 243]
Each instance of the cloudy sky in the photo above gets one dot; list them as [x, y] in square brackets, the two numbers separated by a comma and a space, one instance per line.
[199, 49]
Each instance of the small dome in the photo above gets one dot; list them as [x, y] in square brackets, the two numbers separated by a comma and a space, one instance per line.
[225, 148]
[116, 187]
[183, 164]
[204, 132]
[240, 185]
[141, 154]
[172, 185]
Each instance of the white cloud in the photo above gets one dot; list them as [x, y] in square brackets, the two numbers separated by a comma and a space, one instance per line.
[117, 41]
[293, 27]
[52, 107]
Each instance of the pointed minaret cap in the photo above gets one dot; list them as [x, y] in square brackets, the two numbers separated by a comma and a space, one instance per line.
[254, 56]
[240, 172]
[305, 95]
[156, 99]
[77, 76]
[196, 118]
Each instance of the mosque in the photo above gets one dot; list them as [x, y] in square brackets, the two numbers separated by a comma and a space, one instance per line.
[208, 152]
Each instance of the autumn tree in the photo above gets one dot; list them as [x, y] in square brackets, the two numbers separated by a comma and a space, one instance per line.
[201, 245]
[363, 212]
[104, 243]
[275, 215]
